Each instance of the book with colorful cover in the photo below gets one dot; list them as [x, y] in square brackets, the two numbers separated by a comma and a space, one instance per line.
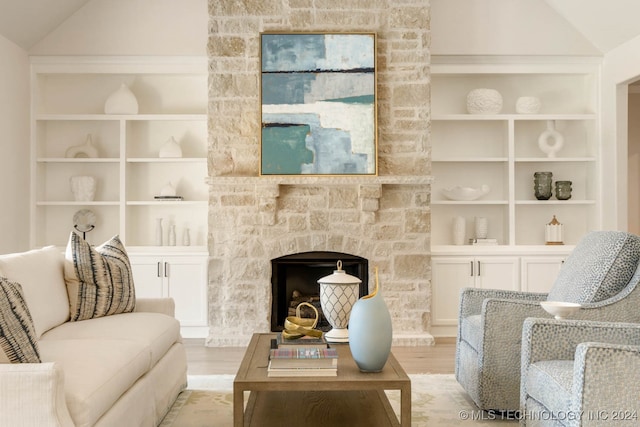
[303, 342]
[303, 358]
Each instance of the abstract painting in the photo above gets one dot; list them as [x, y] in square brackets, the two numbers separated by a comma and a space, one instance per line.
[318, 98]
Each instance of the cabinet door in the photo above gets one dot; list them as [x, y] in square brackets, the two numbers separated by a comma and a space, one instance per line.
[148, 276]
[497, 273]
[448, 276]
[539, 273]
[187, 280]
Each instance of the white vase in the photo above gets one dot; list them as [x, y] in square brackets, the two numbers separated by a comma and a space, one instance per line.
[528, 105]
[459, 230]
[370, 331]
[172, 235]
[171, 148]
[482, 227]
[186, 238]
[84, 150]
[550, 141]
[122, 101]
[83, 188]
[158, 231]
[338, 292]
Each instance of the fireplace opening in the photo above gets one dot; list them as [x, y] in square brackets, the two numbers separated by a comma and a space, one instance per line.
[294, 279]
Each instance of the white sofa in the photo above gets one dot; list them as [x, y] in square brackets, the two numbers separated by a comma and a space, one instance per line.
[118, 370]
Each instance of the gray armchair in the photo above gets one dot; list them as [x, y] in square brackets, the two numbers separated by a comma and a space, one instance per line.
[599, 274]
[579, 373]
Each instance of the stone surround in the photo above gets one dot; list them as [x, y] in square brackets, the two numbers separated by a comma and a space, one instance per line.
[253, 219]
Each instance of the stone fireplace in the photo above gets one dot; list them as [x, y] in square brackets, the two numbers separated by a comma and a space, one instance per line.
[254, 219]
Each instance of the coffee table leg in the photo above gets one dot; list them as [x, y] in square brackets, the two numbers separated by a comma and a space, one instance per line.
[238, 407]
[405, 406]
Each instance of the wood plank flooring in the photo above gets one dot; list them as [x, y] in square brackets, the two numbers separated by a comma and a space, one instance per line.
[435, 359]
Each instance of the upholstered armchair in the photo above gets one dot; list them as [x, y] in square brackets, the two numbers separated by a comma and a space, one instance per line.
[580, 373]
[600, 274]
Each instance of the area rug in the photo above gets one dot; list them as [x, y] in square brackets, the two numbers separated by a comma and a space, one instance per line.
[436, 400]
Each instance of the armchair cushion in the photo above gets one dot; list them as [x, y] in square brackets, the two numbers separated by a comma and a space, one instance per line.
[550, 381]
[599, 267]
[18, 343]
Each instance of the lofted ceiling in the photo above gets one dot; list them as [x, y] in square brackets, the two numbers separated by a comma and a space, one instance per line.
[606, 24]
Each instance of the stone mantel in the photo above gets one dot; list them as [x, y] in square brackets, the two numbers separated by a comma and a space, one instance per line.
[321, 180]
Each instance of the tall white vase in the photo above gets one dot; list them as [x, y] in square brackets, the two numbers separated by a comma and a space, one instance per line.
[370, 331]
[83, 188]
[459, 230]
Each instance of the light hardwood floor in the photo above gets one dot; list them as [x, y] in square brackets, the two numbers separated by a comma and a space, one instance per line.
[435, 359]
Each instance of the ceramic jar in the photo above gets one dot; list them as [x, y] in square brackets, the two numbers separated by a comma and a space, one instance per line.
[528, 105]
[122, 101]
[338, 293]
[563, 190]
[459, 230]
[370, 331]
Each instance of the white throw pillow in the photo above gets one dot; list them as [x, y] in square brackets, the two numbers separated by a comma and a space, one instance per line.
[40, 272]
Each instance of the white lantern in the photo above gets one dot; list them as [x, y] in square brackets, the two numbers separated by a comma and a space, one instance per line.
[338, 292]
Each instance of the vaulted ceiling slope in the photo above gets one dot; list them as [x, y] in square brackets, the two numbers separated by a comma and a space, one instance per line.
[606, 24]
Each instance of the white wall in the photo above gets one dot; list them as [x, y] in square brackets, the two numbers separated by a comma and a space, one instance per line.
[14, 147]
[503, 27]
[621, 66]
[131, 27]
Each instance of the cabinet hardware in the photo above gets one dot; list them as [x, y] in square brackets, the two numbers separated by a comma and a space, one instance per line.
[166, 269]
[478, 268]
[158, 270]
[471, 262]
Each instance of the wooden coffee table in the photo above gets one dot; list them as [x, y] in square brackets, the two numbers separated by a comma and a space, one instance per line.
[352, 398]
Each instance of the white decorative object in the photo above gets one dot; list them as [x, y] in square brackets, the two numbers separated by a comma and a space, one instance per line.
[465, 193]
[528, 105]
[186, 238]
[172, 235]
[459, 230]
[484, 101]
[168, 190]
[338, 292]
[559, 309]
[83, 188]
[84, 150]
[482, 227]
[158, 231]
[550, 141]
[553, 232]
[122, 101]
[171, 148]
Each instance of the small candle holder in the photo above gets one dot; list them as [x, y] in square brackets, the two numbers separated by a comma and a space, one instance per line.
[553, 233]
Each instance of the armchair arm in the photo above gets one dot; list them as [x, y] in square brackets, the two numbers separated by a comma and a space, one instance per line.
[156, 305]
[33, 395]
[551, 339]
[606, 382]
[471, 299]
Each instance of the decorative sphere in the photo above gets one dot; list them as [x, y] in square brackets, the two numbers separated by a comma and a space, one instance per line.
[484, 101]
[528, 105]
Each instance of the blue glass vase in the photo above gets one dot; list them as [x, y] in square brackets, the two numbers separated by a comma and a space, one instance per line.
[370, 331]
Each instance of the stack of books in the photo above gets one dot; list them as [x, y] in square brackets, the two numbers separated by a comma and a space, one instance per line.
[301, 357]
[486, 241]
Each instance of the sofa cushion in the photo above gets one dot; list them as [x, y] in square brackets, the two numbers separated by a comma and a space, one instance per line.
[99, 280]
[40, 273]
[18, 342]
[599, 267]
[157, 332]
[471, 330]
[96, 372]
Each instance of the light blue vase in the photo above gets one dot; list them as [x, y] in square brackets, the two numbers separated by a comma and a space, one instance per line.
[370, 332]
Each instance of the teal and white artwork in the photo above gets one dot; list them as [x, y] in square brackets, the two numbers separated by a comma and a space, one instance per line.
[318, 95]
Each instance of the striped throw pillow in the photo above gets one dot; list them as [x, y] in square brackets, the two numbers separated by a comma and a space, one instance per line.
[18, 342]
[99, 280]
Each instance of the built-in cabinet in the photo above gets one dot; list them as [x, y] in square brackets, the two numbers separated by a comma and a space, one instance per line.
[502, 151]
[125, 152]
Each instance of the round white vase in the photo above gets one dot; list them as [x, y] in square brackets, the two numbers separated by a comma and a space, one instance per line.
[83, 188]
[338, 292]
[484, 101]
[122, 101]
[370, 331]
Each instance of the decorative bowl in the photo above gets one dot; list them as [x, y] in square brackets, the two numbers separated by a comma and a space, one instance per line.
[559, 309]
[465, 193]
[484, 101]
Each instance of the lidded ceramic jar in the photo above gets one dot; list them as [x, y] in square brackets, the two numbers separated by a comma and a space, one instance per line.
[338, 292]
